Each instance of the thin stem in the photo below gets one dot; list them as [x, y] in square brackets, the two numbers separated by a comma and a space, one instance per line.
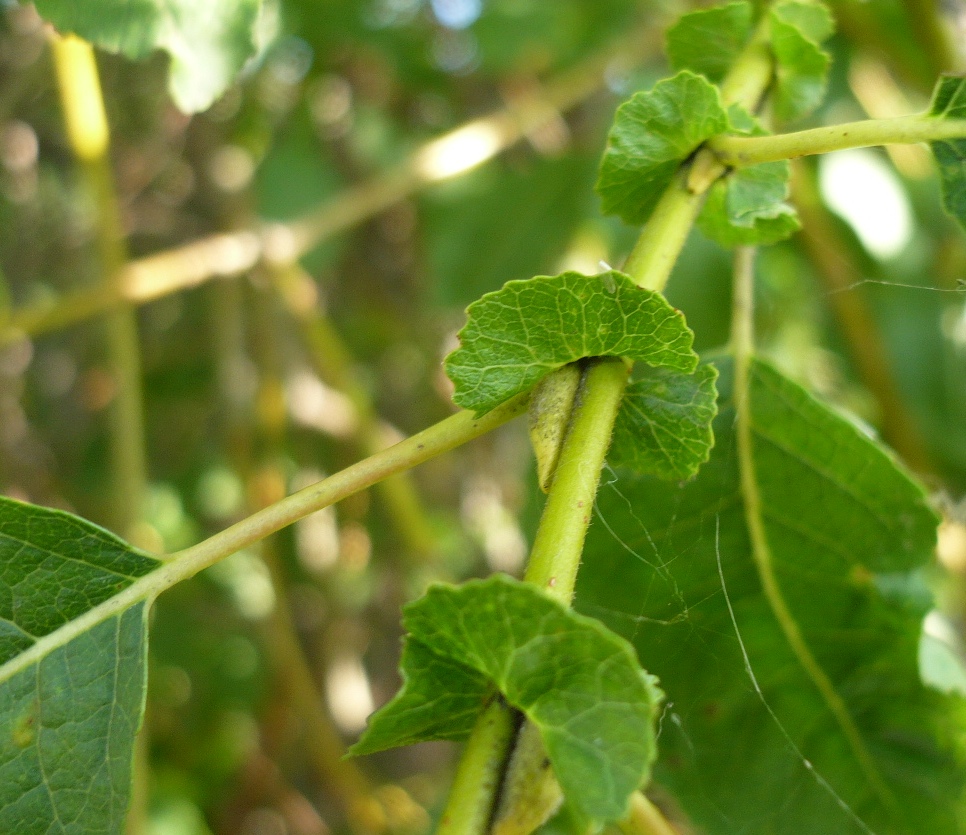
[439, 438]
[742, 336]
[88, 134]
[645, 819]
[662, 239]
[738, 151]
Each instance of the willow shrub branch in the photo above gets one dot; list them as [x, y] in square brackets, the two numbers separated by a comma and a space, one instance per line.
[563, 526]
[740, 151]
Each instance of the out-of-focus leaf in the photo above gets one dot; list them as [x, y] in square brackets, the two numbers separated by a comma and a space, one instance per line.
[797, 29]
[208, 42]
[663, 427]
[521, 333]
[69, 709]
[709, 40]
[949, 102]
[848, 531]
[653, 133]
[496, 225]
[765, 224]
[747, 207]
[579, 684]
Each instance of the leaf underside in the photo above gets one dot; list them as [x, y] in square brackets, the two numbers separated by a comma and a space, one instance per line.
[578, 683]
[208, 42]
[519, 334]
[849, 532]
[949, 102]
[69, 717]
[663, 427]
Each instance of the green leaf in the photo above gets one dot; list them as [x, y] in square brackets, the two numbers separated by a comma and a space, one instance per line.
[208, 42]
[69, 709]
[850, 534]
[709, 40]
[578, 683]
[727, 220]
[949, 102]
[653, 133]
[663, 427]
[519, 334]
[747, 206]
[797, 29]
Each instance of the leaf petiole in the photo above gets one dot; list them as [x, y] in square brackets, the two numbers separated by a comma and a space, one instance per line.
[740, 151]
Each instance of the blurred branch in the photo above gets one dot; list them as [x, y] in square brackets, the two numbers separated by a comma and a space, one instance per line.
[88, 134]
[838, 271]
[454, 153]
[862, 25]
[334, 365]
[931, 30]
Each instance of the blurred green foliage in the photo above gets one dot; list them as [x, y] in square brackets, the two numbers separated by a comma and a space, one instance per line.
[235, 411]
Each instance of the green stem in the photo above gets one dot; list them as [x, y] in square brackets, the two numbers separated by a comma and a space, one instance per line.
[559, 542]
[742, 336]
[479, 772]
[739, 151]
[442, 437]
[662, 239]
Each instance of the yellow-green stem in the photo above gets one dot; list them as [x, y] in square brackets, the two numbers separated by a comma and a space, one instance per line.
[738, 151]
[480, 770]
[555, 556]
[645, 819]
